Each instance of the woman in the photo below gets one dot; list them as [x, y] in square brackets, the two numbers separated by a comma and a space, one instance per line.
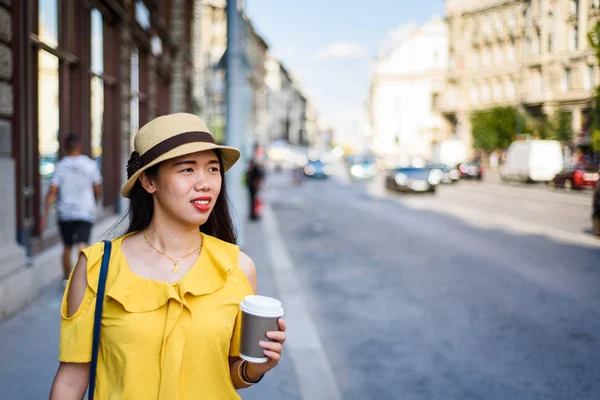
[171, 320]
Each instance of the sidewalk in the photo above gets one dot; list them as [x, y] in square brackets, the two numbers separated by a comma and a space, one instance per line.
[29, 340]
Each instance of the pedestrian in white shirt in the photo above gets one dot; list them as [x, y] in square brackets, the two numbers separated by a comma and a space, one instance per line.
[77, 185]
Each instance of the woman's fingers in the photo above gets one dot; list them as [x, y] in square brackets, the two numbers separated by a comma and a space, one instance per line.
[282, 325]
[278, 336]
[272, 346]
[272, 355]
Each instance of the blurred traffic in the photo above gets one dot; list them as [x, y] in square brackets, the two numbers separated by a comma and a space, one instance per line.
[525, 163]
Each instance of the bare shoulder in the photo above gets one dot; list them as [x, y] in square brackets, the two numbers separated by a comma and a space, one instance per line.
[247, 266]
[77, 286]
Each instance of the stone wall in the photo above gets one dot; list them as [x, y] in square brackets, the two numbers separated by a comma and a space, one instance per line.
[17, 281]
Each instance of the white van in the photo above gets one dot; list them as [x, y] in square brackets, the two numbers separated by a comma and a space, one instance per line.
[532, 160]
[449, 152]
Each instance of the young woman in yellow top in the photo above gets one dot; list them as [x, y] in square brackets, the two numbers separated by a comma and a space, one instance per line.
[171, 321]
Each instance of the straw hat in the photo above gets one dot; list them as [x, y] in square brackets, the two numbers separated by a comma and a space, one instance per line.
[168, 137]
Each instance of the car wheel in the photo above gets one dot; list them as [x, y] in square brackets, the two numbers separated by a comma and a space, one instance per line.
[568, 185]
[552, 186]
[596, 219]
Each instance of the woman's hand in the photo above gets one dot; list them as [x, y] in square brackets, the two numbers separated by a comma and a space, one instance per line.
[272, 350]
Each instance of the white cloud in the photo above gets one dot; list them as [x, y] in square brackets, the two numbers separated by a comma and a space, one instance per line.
[343, 51]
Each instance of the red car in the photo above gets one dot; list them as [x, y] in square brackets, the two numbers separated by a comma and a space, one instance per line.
[574, 178]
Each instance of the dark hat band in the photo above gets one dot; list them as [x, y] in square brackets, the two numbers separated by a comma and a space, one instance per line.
[174, 142]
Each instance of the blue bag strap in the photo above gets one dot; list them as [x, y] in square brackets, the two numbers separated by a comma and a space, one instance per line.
[98, 317]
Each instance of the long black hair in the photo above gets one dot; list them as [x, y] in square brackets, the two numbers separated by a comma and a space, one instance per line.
[219, 223]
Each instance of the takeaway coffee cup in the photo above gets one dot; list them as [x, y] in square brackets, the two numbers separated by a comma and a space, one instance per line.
[259, 316]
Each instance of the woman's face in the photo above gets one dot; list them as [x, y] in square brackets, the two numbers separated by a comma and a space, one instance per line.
[186, 188]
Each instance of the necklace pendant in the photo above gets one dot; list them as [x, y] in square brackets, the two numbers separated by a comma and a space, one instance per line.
[176, 266]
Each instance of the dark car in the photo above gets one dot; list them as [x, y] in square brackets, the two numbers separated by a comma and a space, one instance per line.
[412, 179]
[446, 173]
[471, 170]
[575, 178]
[596, 208]
[317, 169]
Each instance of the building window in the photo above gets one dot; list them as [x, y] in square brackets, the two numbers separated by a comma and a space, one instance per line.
[574, 38]
[475, 58]
[134, 87]
[487, 25]
[486, 56]
[499, 24]
[48, 118]
[48, 22]
[497, 91]
[511, 51]
[574, 8]
[536, 43]
[589, 77]
[434, 101]
[452, 59]
[550, 43]
[142, 14]
[498, 54]
[566, 79]
[97, 85]
[510, 89]
[485, 93]
[474, 94]
[512, 20]
[537, 85]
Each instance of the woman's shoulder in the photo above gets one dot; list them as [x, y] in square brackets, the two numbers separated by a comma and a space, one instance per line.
[91, 257]
[231, 258]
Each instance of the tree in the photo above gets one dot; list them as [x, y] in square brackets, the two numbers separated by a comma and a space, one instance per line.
[563, 131]
[495, 128]
[594, 40]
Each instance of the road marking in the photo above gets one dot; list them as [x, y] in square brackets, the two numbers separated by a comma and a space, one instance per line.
[313, 370]
[552, 197]
[484, 219]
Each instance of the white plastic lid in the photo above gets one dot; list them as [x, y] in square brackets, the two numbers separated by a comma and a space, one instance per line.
[262, 306]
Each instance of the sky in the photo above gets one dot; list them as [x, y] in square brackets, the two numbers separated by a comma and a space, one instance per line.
[329, 45]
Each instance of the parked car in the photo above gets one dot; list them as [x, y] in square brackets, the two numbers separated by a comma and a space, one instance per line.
[596, 208]
[317, 169]
[471, 170]
[362, 168]
[575, 177]
[412, 179]
[446, 174]
[532, 161]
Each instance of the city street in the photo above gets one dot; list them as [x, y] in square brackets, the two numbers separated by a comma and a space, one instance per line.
[480, 291]
[416, 302]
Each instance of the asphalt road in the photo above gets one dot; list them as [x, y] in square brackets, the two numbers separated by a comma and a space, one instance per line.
[480, 291]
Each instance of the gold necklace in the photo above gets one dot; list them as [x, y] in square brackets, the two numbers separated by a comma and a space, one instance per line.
[174, 261]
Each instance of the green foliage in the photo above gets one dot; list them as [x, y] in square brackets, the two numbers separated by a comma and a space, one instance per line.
[495, 128]
[563, 132]
[595, 139]
[594, 40]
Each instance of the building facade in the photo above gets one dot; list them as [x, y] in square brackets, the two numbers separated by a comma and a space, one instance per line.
[98, 68]
[533, 55]
[403, 95]
[210, 30]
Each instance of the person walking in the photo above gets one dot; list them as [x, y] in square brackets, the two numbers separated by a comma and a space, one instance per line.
[77, 184]
[254, 178]
[171, 323]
